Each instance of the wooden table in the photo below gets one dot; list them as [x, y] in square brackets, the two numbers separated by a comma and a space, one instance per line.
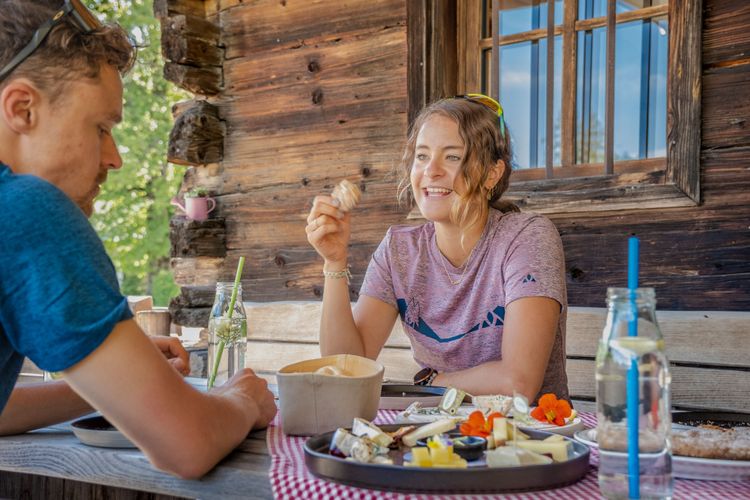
[54, 452]
[52, 463]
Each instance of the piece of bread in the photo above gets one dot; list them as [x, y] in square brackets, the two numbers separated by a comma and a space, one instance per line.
[710, 441]
[348, 195]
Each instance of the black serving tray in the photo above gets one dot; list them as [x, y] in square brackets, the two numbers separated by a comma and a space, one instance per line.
[719, 418]
[398, 477]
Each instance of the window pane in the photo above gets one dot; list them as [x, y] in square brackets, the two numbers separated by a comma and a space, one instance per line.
[640, 92]
[517, 16]
[556, 104]
[598, 8]
[590, 95]
[629, 95]
[523, 94]
[657, 88]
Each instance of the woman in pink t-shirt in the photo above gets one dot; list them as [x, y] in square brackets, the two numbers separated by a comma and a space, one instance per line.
[479, 288]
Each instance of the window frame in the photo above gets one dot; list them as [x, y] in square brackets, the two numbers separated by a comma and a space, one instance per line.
[440, 34]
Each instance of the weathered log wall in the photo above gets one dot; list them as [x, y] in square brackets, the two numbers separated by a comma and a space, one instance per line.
[311, 92]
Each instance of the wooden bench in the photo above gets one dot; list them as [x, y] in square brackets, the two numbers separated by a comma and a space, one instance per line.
[709, 352]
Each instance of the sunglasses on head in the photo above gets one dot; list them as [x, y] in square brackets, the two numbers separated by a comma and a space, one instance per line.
[72, 10]
[490, 103]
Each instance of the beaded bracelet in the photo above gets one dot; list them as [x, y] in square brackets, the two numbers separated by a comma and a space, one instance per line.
[344, 273]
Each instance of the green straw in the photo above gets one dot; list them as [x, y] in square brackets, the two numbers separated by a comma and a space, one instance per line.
[222, 342]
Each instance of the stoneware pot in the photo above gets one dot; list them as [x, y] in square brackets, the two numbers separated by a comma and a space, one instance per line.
[345, 386]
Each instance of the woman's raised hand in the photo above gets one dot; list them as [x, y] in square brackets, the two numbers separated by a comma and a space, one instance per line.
[328, 229]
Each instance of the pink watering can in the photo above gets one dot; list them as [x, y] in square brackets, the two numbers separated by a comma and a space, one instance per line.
[196, 207]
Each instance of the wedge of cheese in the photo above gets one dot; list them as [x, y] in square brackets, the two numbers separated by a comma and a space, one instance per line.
[363, 428]
[557, 449]
[500, 430]
[508, 456]
[436, 427]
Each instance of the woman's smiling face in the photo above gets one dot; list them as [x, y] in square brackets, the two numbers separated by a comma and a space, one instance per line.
[436, 179]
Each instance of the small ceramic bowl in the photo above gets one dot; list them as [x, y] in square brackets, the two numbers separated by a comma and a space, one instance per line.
[467, 447]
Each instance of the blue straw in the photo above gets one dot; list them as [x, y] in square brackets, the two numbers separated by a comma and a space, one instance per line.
[632, 380]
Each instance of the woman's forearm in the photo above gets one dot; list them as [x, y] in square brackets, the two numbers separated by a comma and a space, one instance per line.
[338, 332]
[494, 377]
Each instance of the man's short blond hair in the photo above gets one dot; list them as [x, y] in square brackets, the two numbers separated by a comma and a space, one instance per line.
[66, 55]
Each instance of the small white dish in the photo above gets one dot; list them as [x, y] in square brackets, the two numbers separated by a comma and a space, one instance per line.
[97, 431]
[430, 414]
[706, 469]
[568, 429]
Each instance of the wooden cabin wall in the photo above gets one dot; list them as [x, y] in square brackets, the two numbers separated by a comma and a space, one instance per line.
[316, 91]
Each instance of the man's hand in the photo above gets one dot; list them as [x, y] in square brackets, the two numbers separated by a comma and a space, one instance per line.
[250, 391]
[172, 349]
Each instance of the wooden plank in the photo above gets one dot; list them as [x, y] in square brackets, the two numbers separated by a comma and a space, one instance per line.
[725, 33]
[469, 32]
[442, 51]
[15, 485]
[684, 97]
[416, 61]
[197, 271]
[624, 17]
[550, 84]
[496, 53]
[593, 199]
[202, 81]
[609, 115]
[527, 36]
[191, 40]
[252, 162]
[189, 238]
[263, 25]
[58, 453]
[685, 332]
[355, 67]
[164, 8]
[269, 322]
[726, 116]
[569, 84]
[691, 387]
[197, 137]
[698, 337]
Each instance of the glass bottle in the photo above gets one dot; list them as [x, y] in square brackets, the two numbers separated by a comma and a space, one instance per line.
[227, 336]
[619, 350]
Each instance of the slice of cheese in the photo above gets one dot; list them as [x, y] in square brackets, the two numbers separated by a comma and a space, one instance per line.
[558, 450]
[500, 430]
[436, 427]
[363, 428]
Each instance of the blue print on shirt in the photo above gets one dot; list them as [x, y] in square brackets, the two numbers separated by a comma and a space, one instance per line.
[495, 317]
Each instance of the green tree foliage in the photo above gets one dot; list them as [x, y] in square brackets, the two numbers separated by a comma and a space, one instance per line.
[133, 210]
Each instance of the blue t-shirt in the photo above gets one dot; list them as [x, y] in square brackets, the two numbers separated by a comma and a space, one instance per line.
[59, 297]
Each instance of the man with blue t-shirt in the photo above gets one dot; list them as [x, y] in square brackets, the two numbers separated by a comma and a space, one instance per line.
[60, 305]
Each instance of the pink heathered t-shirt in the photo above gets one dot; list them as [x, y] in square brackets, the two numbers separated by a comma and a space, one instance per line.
[457, 326]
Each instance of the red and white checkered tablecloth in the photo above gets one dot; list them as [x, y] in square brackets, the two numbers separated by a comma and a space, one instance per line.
[290, 478]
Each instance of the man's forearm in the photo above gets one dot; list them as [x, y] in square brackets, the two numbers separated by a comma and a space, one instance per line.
[32, 406]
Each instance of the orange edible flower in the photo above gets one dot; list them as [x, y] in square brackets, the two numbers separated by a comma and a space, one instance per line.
[478, 425]
[552, 410]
